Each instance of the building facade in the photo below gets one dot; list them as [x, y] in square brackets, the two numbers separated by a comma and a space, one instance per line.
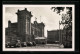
[54, 36]
[23, 29]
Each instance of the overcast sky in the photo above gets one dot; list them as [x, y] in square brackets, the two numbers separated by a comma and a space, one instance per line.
[48, 17]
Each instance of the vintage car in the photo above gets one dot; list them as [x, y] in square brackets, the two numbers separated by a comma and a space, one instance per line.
[23, 44]
[29, 44]
[10, 45]
[7, 45]
[34, 43]
[13, 44]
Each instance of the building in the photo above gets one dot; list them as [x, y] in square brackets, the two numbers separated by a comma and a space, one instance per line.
[41, 40]
[54, 36]
[23, 29]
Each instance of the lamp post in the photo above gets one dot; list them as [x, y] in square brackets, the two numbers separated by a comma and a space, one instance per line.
[59, 33]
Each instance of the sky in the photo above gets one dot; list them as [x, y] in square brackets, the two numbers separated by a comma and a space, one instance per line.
[43, 14]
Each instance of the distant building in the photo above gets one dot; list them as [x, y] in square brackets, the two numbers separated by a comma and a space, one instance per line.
[53, 36]
[23, 29]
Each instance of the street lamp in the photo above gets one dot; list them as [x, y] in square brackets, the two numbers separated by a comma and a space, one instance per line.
[59, 33]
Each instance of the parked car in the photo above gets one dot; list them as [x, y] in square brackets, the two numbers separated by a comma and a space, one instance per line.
[23, 44]
[7, 45]
[10, 45]
[34, 43]
[29, 44]
[13, 44]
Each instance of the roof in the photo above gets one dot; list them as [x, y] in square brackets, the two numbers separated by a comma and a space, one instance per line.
[25, 11]
[40, 38]
[14, 25]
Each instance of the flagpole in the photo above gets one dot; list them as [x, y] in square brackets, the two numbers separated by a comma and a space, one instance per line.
[40, 18]
[59, 32]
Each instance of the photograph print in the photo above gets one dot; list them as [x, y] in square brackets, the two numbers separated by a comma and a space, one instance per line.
[38, 27]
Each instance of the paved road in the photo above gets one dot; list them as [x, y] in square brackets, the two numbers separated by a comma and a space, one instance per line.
[44, 46]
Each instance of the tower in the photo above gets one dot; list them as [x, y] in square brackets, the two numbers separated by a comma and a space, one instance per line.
[9, 23]
[24, 24]
[41, 26]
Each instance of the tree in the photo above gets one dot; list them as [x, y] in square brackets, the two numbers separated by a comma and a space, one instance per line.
[66, 19]
[58, 9]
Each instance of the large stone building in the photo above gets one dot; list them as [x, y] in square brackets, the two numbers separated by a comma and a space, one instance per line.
[54, 36]
[23, 29]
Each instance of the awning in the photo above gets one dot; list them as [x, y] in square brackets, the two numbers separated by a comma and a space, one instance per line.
[40, 38]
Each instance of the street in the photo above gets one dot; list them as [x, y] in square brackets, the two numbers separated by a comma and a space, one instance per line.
[47, 46]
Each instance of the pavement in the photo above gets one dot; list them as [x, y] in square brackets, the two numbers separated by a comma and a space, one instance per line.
[46, 46]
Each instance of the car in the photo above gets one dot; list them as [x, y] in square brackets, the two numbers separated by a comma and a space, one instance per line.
[7, 45]
[29, 44]
[13, 44]
[34, 43]
[23, 44]
[10, 45]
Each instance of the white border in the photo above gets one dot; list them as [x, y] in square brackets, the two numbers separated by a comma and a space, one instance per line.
[21, 49]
